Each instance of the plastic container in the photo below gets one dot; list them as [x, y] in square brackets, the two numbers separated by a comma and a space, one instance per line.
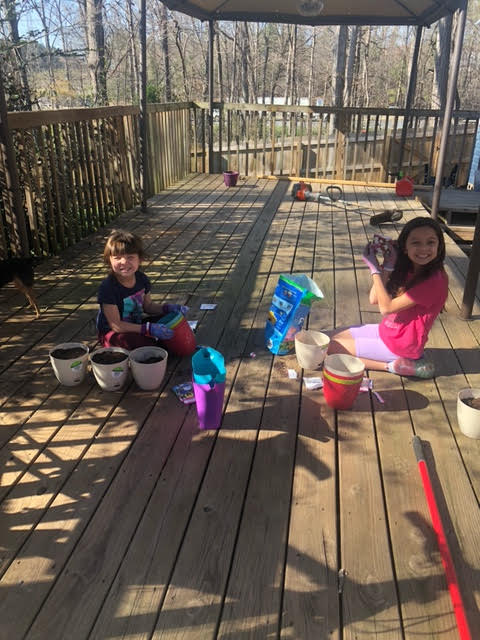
[468, 417]
[404, 187]
[342, 377]
[183, 342]
[148, 375]
[110, 376]
[69, 371]
[311, 348]
[208, 386]
[230, 178]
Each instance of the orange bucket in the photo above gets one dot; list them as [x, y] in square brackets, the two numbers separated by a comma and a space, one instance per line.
[342, 377]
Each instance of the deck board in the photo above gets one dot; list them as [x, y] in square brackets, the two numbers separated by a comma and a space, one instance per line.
[121, 519]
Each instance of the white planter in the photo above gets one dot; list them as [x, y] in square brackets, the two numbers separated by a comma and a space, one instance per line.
[111, 376]
[69, 371]
[148, 375]
[311, 348]
[468, 417]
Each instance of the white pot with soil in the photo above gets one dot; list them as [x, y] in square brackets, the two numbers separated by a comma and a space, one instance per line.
[110, 367]
[69, 362]
[468, 412]
[148, 365]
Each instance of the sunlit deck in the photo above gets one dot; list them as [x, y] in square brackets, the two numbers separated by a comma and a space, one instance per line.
[120, 519]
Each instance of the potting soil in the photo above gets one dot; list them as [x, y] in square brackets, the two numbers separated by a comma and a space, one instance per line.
[109, 357]
[68, 354]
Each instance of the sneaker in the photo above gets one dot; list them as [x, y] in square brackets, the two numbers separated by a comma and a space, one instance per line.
[418, 368]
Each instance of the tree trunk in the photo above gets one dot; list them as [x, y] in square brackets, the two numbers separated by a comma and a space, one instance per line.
[135, 71]
[442, 63]
[25, 101]
[96, 50]
[352, 51]
[311, 74]
[166, 54]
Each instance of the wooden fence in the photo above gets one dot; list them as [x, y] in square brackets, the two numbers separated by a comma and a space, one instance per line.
[79, 168]
[332, 143]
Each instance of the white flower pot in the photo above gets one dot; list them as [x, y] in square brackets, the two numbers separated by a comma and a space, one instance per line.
[110, 376]
[148, 375]
[69, 371]
[311, 348]
[468, 417]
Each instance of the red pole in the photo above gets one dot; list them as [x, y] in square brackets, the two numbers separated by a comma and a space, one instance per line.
[447, 562]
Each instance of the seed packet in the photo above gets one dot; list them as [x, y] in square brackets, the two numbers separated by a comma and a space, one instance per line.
[184, 392]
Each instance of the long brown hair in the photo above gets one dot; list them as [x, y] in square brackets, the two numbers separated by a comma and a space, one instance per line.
[398, 281]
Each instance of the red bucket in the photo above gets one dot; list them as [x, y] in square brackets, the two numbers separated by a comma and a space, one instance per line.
[404, 187]
[183, 342]
[342, 377]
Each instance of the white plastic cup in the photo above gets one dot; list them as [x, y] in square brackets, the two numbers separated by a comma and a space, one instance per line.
[70, 372]
[311, 348]
[148, 375]
[110, 377]
[468, 417]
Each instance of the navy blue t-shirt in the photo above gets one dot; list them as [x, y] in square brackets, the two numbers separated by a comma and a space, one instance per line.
[129, 300]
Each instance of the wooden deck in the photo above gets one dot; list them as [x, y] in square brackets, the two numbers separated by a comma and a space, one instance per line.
[120, 519]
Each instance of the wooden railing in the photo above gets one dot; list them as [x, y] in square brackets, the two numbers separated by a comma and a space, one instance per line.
[331, 143]
[78, 168]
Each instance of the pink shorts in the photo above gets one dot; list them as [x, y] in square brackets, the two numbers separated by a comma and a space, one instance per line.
[369, 345]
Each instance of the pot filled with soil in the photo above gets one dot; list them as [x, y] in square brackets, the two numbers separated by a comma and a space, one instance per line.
[110, 367]
[148, 365]
[69, 362]
[468, 412]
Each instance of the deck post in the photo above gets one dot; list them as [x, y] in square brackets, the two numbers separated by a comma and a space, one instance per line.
[143, 106]
[451, 91]
[410, 95]
[18, 223]
[210, 95]
[472, 273]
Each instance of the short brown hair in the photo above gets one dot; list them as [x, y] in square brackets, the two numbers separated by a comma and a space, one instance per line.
[120, 242]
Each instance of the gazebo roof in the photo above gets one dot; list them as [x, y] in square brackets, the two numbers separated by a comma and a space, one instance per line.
[320, 12]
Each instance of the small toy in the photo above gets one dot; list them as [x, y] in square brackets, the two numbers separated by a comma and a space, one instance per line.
[184, 392]
[382, 244]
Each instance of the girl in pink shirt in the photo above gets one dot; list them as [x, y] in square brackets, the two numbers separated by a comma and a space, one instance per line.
[410, 289]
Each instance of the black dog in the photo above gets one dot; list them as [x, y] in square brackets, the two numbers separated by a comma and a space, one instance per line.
[20, 271]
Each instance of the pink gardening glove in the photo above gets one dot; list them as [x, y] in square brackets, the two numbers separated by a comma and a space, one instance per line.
[370, 259]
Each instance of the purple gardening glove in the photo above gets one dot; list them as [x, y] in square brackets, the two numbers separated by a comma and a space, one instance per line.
[157, 330]
[370, 259]
[390, 257]
[176, 308]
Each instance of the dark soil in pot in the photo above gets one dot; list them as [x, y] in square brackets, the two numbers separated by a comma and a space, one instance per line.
[68, 354]
[109, 357]
[150, 360]
[472, 402]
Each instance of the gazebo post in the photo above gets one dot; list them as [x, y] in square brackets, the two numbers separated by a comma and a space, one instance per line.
[452, 87]
[143, 105]
[410, 95]
[210, 95]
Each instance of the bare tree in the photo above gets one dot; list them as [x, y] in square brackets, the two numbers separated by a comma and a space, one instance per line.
[18, 49]
[96, 50]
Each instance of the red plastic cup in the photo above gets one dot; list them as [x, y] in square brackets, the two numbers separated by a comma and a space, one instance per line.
[183, 342]
[342, 378]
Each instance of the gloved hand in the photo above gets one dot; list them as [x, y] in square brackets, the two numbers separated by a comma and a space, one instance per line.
[390, 257]
[176, 308]
[157, 330]
[370, 259]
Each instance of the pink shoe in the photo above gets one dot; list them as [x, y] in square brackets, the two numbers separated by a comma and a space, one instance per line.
[417, 368]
